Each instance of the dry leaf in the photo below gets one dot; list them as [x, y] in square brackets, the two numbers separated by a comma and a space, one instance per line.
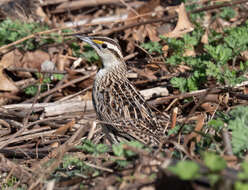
[152, 33]
[183, 24]
[244, 55]
[6, 84]
[141, 32]
[165, 50]
[204, 38]
[34, 59]
[198, 127]
[86, 96]
[209, 107]
[147, 73]
[146, 8]
[11, 59]
[189, 52]
[174, 117]
[64, 128]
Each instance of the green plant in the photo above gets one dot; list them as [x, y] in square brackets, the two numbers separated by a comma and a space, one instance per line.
[74, 166]
[186, 170]
[11, 31]
[92, 148]
[238, 124]
[242, 184]
[236, 121]
[227, 13]
[11, 183]
[152, 47]
[214, 63]
[214, 162]
[118, 150]
[89, 53]
[33, 89]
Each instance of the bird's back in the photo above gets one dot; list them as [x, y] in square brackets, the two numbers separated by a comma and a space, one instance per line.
[118, 103]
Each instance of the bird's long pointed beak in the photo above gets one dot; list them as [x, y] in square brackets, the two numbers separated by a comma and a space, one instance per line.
[86, 39]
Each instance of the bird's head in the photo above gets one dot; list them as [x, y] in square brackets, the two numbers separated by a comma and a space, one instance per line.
[108, 50]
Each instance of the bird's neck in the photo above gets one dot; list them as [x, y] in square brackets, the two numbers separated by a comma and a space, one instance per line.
[117, 69]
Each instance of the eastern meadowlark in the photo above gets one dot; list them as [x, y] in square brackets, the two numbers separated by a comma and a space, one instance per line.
[117, 102]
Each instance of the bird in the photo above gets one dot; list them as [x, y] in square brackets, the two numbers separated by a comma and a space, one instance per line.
[118, 104]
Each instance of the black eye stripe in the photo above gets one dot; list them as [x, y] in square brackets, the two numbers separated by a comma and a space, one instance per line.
[116, 53]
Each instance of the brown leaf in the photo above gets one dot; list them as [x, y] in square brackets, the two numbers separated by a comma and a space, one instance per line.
[141, 32]
[189, 52]
[204, 38]
[64, 128]
[6, 84]
[244, 55]
[198, 127]
[183, 24]
[146, 8]
[209, 107]
[10, 59]
[152, 33]
[174, 117]
[147, 73]
[34, 59]
[87, 96]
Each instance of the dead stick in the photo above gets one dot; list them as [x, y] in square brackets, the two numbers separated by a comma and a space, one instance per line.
[62, 86]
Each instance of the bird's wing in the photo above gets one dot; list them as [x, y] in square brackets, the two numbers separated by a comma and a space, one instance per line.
[122, 101]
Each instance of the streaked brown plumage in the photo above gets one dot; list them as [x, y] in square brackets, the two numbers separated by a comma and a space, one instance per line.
[117, 101]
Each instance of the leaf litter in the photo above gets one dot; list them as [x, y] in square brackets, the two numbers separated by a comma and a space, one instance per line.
[195, 51]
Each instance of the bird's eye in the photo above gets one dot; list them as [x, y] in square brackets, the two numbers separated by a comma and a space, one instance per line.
[104, 46]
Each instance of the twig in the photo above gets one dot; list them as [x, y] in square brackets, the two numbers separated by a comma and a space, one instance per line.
[42, 172]
[25, 121]
[99, 167]
[35, 70]
[217, 6]
[198, 93]
[61, 87]
[227, 142]
[166, 19]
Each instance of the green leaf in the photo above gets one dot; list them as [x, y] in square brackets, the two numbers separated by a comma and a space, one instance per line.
[216, 123]
[237, 38]
[213, 178]
[118, 149]
[174, 130]
[58, 76]
[152, 47]
[102, 148]
[239, 128]
[227, 13]
[219, 53]
[214, 162]
[122, 163]
[31, 90]
[90, 54]
[135, 144]
[192, 83]
[92, 148]
[243, 175]
[179, 82]
[240, 185]
[88, 146]
[186, 170]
